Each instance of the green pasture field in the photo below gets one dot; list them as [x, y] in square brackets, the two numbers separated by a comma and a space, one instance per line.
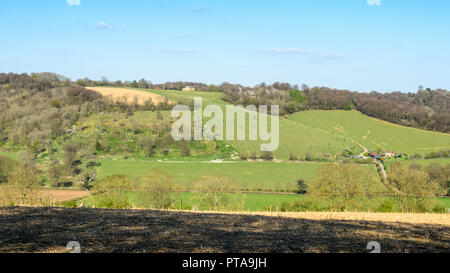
[333, 131]
[251, 201]
[374, 133]
[422, 162]
[247, 175]
[294, 138]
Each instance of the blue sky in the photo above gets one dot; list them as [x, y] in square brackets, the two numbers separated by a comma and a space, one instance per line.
[361, 45]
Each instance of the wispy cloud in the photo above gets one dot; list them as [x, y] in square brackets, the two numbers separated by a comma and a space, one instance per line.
[187, 50]
[103, 25]
[197, 8]
[292, 50]
[287, 50]
[374, 2]
[185, 34]
[73, 2]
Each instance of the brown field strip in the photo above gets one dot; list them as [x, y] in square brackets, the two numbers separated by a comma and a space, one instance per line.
[145, 231]
[409, 218]
[62, 195]
[128, 95]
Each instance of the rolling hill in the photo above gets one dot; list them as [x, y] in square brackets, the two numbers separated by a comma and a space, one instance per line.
[333, 131]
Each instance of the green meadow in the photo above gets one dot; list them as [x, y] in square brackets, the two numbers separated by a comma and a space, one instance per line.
[247, 175]
[294, 137]
[250, 201]
[247, 202]
[374, 133]
[422, 162]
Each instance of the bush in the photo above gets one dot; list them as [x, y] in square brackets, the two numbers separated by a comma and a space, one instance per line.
[61, 184]
[293, 157]
[55, 103]
[386, 206]
[413, 187]
[310, 156]
[343, 186]
[157, 190]
[21, 188]
[244, 156]
[112, 192]
[302, 187]
[6, 165]
[184, 149]
[299, 206]
[438, 208]
[268, 156]
[440, 174]
[217, 193]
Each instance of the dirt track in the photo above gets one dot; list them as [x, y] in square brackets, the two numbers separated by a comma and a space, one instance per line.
[50, 229]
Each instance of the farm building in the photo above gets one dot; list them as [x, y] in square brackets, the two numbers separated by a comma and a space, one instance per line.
[189, 88]
[389, 154]
[375, 155]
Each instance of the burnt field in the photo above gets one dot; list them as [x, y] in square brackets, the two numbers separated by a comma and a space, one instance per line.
[138, 231]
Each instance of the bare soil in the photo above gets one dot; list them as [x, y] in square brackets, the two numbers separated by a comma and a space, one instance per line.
[63, 195]
[128, 95]
[143, 231]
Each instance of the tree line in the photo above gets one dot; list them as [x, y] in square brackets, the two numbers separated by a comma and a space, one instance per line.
[425, 109]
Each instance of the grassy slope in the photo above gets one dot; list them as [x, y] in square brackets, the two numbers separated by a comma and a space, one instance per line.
[10, 155]
[423, 162]
[374, 133]
[294, 137]
[333, 131]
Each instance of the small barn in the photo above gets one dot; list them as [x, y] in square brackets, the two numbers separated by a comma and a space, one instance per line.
[189, 88]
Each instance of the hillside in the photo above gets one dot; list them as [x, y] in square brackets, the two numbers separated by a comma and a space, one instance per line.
[325, 133]
[133, 141]
[334, 131]
[374, 133]
[299, 138]
[132, 231]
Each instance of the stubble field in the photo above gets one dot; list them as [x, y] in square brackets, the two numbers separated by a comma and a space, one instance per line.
[134, 231]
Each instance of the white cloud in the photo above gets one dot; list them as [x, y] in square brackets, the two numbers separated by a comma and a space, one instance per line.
[103, 25]
[74, 2]
[374, 2]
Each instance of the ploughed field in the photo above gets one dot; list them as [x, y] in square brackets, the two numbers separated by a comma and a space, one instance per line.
[62, 195]
[123, 231]
[128, 95]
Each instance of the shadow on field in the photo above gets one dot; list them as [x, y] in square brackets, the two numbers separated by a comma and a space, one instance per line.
[50, 229]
